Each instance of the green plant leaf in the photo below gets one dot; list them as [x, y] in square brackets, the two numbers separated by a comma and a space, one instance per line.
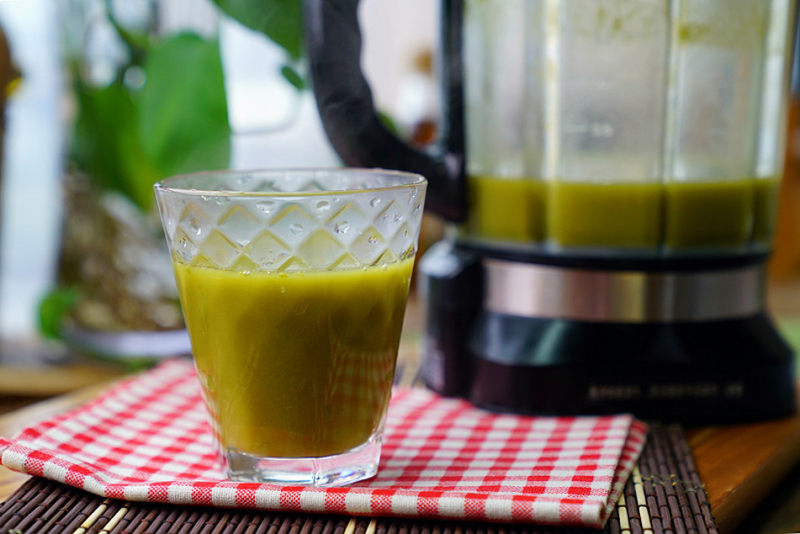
[106, 143]
[137, 42]
[53, 308]
[293, 77]
[280, 20]
[183, 114]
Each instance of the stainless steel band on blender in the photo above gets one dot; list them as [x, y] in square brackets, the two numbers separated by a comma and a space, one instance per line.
[542, 291]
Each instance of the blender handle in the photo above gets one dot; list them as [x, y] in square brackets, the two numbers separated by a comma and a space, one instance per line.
[344, 99]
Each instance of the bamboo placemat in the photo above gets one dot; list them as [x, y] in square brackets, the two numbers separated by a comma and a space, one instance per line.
[664, 495]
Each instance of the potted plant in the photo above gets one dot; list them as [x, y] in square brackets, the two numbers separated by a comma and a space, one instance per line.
[146, 101]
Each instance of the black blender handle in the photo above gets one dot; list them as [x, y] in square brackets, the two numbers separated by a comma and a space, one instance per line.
[344, 99]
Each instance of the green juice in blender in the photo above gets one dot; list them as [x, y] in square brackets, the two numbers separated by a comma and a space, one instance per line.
[616, 215]
[295, 364]
[509, 209]
[676, 215]
[714, 214]
[766, 210]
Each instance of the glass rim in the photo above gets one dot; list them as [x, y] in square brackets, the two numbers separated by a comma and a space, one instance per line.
[163, 186]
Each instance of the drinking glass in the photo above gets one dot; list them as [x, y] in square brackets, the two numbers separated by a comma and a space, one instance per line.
[293, 284]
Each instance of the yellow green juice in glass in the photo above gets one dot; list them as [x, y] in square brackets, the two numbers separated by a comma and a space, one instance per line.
[295, 364]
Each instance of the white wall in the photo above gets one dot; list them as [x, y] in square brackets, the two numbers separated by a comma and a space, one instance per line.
[31, 207]
[394, 31]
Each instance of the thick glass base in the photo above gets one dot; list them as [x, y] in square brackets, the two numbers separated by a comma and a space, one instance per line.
[350, 466]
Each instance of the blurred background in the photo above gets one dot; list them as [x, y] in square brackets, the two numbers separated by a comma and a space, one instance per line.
[101, 98]
[105, 97]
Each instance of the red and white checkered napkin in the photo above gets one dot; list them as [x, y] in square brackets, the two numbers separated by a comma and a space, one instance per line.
[146, 439]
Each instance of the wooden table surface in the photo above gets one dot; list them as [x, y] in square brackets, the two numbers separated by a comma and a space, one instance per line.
[740, 464]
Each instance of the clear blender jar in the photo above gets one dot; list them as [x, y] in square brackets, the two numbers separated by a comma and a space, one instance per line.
[611, 169]
[625, 126]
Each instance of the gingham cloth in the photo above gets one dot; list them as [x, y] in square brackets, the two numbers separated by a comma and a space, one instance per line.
[146, 439]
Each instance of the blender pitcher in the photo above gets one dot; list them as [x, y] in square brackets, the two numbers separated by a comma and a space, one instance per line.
[611, 170]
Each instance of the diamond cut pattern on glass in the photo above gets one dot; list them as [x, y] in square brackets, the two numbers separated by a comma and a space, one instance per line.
[321, 250]
[331, 231]
[347, 224]
[219, 250]
[371, 204]
[293, 265]
[368, 246]
[244, 264]
[390, 220]
[195, 222]
[402, 244]
[346, 261]
[239, 225]
[183, 246]
[292, 224]
[267, 251]
[294, 181]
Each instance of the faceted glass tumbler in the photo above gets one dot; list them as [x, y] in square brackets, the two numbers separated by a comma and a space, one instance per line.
[293, 284]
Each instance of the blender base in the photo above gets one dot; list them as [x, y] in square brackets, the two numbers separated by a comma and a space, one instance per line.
[718, 371]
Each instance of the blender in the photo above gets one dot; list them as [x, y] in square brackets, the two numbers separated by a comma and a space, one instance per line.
[611, 171]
